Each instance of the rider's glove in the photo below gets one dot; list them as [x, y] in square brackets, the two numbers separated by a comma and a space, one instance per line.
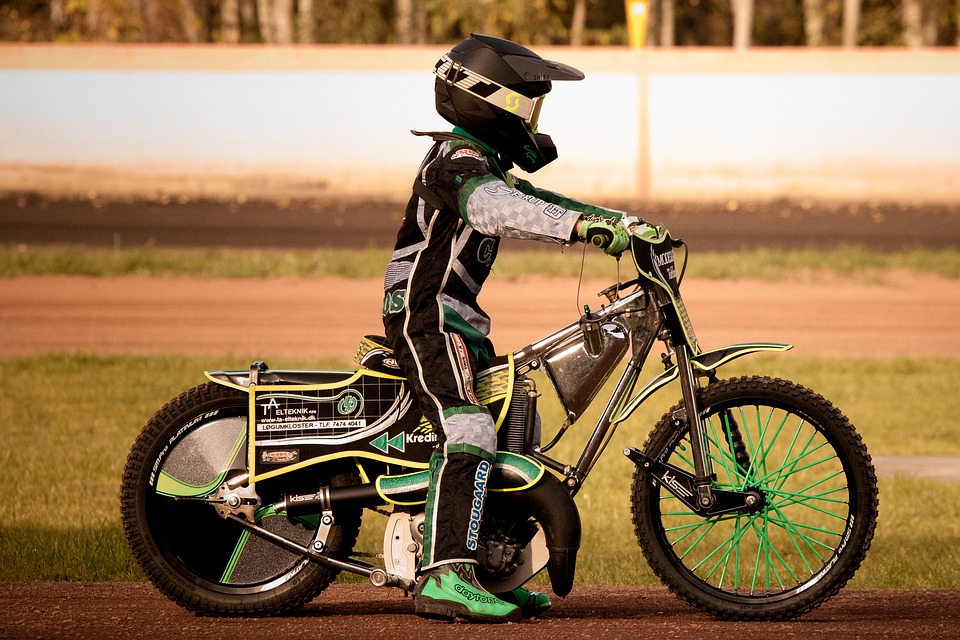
[606, 234]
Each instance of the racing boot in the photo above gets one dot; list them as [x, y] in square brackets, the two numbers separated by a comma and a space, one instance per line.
[451, 591]
[531, 603]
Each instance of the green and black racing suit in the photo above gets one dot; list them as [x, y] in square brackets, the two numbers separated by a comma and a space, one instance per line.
[463, 203]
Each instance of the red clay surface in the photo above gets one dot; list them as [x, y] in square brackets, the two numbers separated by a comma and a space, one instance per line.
[907, 315]
[117, 610]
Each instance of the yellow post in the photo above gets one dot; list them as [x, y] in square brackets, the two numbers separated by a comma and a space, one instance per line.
[637, 12]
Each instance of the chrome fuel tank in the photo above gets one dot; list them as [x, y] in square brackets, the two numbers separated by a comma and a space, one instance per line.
[576, 374]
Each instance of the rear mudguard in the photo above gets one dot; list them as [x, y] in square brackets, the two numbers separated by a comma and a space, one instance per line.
[703, 363]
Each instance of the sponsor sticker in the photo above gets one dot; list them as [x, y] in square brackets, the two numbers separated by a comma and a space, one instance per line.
[465, 152]
[319, 424]
[280, 456]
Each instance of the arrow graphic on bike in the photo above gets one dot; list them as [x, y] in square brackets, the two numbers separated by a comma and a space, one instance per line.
[383, 444]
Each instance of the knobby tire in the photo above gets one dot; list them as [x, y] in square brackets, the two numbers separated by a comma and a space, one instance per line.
[818, 513]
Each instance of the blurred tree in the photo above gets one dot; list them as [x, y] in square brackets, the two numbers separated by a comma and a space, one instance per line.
[604, 23]
[530, 21]
[742, 23]
[404, 10]
[704, 23]
[534, 22]
[661, 25]
[276, 21]
[229, 21]
[193, 26]
[354, 21]
[851, 22]
[578, 22]
[411, 21]
[880, 23]
[667, 23]
[305, 21]
[814, 17]
[913, 23]
[778, 23]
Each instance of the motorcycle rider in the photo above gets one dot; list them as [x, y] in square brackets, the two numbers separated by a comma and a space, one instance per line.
[464, 201]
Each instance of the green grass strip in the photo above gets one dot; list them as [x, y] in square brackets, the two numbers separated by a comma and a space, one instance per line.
[68, 423]
[851, 262]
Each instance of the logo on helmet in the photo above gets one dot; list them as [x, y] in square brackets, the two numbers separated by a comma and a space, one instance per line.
[512, 102]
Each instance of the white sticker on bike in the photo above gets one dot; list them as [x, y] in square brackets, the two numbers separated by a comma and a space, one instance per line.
[317, 424]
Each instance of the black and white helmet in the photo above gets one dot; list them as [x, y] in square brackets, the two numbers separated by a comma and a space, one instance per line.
[493, 89]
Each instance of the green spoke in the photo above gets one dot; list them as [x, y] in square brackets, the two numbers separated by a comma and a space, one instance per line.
[691, 529]
[796, 528]
[769, 565]
[779, 557]
[809, 527]
[783, 473]
[740, 530]
[793, 443]
[832, 514]
[796, 536]
[732, 543]
[723, 455]
[804, 490]
[733, 539]
[697, 542]
[790, 497]
[735, 549]
[764, 450]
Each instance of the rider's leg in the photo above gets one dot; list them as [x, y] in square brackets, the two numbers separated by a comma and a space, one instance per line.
[440, 370]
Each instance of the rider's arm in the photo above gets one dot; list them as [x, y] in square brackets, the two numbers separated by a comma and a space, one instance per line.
[596, 225]
[585, 210]
[498, 204]
[488, 200]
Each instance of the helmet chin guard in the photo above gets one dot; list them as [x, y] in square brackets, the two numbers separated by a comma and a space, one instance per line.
[494, 89]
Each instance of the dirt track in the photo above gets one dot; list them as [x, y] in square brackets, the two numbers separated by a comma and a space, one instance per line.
[117, 610]
[908, 315]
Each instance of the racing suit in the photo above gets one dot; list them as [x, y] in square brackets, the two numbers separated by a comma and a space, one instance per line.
[463, 203]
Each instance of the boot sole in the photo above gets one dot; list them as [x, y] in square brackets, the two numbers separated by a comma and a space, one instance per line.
[450, 611]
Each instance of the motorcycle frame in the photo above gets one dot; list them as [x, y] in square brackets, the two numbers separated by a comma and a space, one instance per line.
[642, 336]
[653, 310]
[649, 310]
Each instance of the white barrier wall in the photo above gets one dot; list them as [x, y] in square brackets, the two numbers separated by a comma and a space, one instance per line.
[656, 124]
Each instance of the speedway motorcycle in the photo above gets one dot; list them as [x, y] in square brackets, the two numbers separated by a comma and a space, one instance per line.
[753, 498]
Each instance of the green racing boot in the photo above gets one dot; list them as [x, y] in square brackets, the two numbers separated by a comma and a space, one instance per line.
[451, 591]
[531, 603]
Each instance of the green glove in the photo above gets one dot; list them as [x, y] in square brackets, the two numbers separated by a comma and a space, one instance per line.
[608, 235]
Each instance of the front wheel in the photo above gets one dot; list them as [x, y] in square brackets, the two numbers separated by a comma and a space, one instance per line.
[817, 514]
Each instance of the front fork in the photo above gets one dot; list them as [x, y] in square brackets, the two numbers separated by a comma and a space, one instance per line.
[702, 463]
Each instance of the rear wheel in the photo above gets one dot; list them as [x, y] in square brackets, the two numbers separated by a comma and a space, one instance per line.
[815, 522]
[201, 561]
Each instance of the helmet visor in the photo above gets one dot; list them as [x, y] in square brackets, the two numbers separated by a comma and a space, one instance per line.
[455, 74]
